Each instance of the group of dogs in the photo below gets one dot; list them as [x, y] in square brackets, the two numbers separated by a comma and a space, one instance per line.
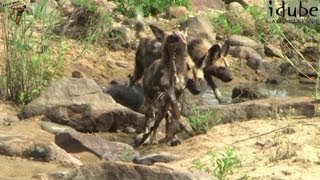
[168, 64]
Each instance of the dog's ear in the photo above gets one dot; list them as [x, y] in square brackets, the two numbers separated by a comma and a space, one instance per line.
[214, 53]
[200, 62]
[158, 33]
[225, 49]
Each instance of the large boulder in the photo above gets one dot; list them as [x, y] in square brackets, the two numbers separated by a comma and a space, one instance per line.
[131, 97]
[199, 27]
[127, 171]
[81, 104]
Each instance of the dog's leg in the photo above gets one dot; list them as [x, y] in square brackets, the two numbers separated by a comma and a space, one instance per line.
[159, 117]
[138, 69]
[212, 84]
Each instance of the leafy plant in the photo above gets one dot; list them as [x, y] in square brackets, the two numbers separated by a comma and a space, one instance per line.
[127, 154]
[30, 61]
[224, 26]
[221, 164]
[200, 121]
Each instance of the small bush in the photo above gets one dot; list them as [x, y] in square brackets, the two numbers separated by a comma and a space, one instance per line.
[148, 7]
[31, 63]
[200, 121]
[225, 27]
[222, 164]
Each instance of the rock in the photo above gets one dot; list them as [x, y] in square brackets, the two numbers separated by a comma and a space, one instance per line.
[121, 37]
[8, 114]
[106, 150]
[275, 80]
[175, 12]
[311, 51]
[153, 158]
[50, 5]
[272, 51]
[81, 104]
[126, 171]
[199, 27]
[287, 69]
[201, 5]
[265, 108]
[235, 6]
[56, 128]
[11, 145]
[244, 19]
[304, 80]
[131, 97]
[130, 130]
[122, 64]
[254, 60]
[27, 147]
[246, 92]
[78, 74]
[238, 40]
[105, 5]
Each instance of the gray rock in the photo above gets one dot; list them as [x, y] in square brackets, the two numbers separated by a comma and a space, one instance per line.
[254, 60]
[272, 51]
[153, 158]
[235, 6]
[81, 104]
[174, 12]
[238, 40]
[127, 171]
[265, 108]
[24, 146]
[56, 128]
[199, 27]
[106, 150]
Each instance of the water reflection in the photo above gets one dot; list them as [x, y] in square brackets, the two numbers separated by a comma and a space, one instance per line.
[267, 89]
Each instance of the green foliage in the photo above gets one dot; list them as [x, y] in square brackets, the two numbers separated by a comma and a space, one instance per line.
[225, 27]
[221, 164]
[200, 121]
[148, 7]
[127, 154]
[86, 3]
[30, 60]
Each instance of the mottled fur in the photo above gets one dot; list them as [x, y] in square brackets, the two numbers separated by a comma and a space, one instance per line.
[212, 60]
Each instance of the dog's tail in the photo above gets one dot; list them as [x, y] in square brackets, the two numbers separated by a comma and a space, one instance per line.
[139, 25]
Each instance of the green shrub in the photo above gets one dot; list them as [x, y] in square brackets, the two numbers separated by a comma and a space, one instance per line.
[200, 121]
[221, 164]
[30, 59]
[148, 7]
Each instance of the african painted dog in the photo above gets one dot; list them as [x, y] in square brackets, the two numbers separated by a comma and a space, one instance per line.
[163, 82]
[149, 50]
[212, 60]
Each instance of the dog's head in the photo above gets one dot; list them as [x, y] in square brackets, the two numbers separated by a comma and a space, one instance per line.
[215, 64]
[194, 77]
[174, 43]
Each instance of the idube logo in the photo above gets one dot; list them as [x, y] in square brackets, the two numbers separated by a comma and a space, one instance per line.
[295, 11]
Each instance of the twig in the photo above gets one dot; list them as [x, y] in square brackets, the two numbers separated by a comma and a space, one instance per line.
[259, 135]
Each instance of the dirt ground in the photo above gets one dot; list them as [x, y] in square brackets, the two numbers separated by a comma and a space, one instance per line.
[292, 152]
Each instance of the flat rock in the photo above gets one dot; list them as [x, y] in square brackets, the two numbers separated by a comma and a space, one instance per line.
[106, 150]
[238, 40]
[266, 108]
[81, 104]
[27, 147]
[153, 158]
[56, 128]
[127, 171]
